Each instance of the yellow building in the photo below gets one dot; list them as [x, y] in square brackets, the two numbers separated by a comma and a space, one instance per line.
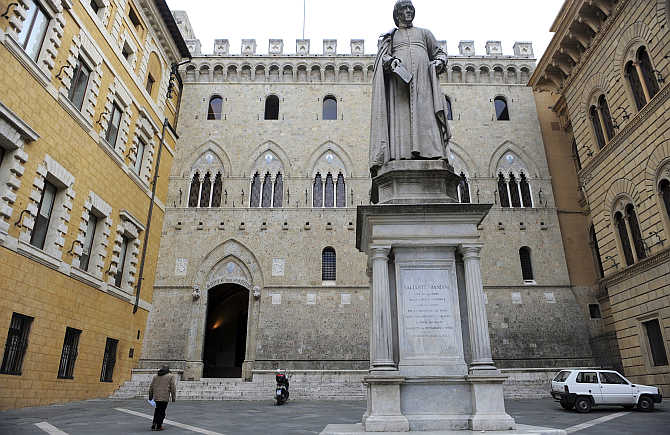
[83, 106]
[608, 71]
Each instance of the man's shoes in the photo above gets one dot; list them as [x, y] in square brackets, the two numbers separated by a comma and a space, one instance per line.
[153, 426]
[160, 428]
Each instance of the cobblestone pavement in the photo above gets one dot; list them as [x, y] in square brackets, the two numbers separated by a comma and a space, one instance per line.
[105, 416]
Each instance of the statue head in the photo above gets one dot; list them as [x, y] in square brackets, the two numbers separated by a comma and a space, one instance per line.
[403, 12]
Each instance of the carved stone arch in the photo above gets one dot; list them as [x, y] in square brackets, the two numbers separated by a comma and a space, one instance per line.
[216, 150]
[663, 13]
[190, 71]
[658, 166]
[321, 151]
[630, 40]
[621, 188]
[469, 165]
[595, 86]
[276, 150]
[510, 147]
[230, 249]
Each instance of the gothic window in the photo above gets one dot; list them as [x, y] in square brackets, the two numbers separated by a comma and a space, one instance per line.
[317, 192]
[526, 265]
[526, 197]
[85, 257]
[272, 107]
[341, 191]
[597, 127]
[34, 29]
[215, 108]
[194, 193]
[206, 190]
[635, 85]
[606, 116]
[328, 264]
[329, 108]
[514, 191]
[450, 115]
[217, 191]
[113, 126]
[623, 238]
[596, 251]
[647, 70]
[665, 195]
[78, 84]
[44, 212]
[502, 112]
[635, 233]
[463, 189]
[502, 191]
[266, 200]
[575, 155]
[278, 197]
[329, 197]
[255, 197]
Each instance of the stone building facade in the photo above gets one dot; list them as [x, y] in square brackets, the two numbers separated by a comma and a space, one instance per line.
[258, 267]
[83, 96]
[607, 66]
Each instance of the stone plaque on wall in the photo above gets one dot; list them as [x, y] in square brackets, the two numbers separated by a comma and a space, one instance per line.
[345, 299]
[278, 266]
[276, 298]
[181, 267]
[311, 298]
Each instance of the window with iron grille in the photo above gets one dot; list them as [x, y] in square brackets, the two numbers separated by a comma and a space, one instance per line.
[526, 265]
[69, 354]
[658, 355]
[16, 345]
[328, 264]
[109, 360]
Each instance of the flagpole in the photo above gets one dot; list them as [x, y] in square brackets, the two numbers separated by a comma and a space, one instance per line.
[304, 10]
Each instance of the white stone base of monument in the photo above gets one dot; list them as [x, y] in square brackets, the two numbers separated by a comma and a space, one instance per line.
[416, 182]
[384, 413]
[357, 429]
[488, 403]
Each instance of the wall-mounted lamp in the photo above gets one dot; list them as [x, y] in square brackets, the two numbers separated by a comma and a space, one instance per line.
[616, 265]
[659, 76]
[71, 251]
[60, 71]
[589, 151]
[6, 13]
[626, 115]
[106, 112]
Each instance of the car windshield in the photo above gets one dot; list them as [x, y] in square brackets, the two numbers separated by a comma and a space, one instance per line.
[612, 378]
[562, 376]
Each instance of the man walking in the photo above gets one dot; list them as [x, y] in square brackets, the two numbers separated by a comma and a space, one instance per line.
[162, 389]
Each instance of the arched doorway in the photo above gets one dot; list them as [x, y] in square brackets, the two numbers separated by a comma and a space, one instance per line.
[225, 331]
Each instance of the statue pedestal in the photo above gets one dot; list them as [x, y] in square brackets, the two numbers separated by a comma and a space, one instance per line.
[416, 182]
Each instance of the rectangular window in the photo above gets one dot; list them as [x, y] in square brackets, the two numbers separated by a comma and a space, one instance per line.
[2, 154]
[135, 19]
[122, 262]
[33, 30]
[94, 6]
[69, 354]
[594, 311]
[88, 242]
[44, 212]
[587, 378]
[656, 345]
[141, 146]
[16, 344]
[79, 84]
[150, 83]
[126, 52]
[113, 127]
[109, 360]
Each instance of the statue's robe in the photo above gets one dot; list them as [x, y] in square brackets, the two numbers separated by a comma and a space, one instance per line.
[409, 121]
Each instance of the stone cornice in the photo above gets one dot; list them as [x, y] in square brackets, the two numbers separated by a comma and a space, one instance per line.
[638, 268]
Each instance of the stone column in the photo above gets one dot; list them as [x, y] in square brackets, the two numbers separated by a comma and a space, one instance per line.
[480, 341]
[381, 344]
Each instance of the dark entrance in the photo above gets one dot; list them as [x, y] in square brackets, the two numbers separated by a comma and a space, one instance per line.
[225, 331]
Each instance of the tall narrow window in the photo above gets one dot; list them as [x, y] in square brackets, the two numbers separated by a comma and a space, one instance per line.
[255, 197]
[113, 127]
[206, 190]
[623, 238]
[329, 108]
[134, 19]
[658, 355]
[33, 30]
[596, 251]
[607, 116]
[141, 146]
[526, 265]
[317, 192]
[150, 83]
[2, 155]
[78, 84]
[502, 191]
[118, 278]
[16, 344]
[635, 232]
[95, 6]
[526, 197]
[664, 187]
[329, 197]
[635, 85]
[502, 112]
[215, 108]
[278, 198]
[647, 71]
[450, 115]
[597, 127]
[194, 193]
[328, 264]
[69, 354]
[44, 212]
[109, 360]
[85, 257]
[464, 189]
[218, 190]
[341, 191]
[514, 191]
[272, 107]
[266, 201]
[575, 155]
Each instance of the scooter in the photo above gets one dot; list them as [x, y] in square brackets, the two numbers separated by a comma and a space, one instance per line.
[281, 392]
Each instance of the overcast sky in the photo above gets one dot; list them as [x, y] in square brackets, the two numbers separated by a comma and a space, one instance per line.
[481, 20]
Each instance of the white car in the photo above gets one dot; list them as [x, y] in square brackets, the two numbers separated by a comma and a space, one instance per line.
[584, 389]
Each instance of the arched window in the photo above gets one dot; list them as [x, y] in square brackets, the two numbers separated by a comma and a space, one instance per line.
[450, 114]
[463, 189]
[255, 196]
[341, 191]
[215, 108]
[317, 192]
[575, 155]
[623, 238]
[218, 189]
[502, 112]
[272, 107]
[278, 197]
[194, 193]
[596, 251]
[502, 191]
[328, 264]
[526, 265]
[526, 197]
[635, 233]
[206, 190]
[514, 191]
[664, 188]
[329, 108]
[329, 197]
[606, 116]
[648, 76]
[635, 85]
[597, 127]
[266, 201]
